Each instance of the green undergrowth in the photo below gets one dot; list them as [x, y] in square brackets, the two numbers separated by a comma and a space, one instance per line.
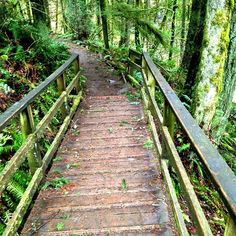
[208, 196]
[227, 147]
[27, 56]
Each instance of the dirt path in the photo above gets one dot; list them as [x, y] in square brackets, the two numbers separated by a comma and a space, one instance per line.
[115, 185]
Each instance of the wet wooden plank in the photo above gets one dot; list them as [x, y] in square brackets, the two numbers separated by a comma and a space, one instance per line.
[96, 196]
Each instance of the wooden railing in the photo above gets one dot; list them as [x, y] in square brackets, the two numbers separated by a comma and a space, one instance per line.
[163, 123]
[30, 149]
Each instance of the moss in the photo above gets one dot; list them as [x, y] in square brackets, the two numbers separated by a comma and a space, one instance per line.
[205, 40]
[224, 39]
[231, 4]
[217, 58]
[220, 16]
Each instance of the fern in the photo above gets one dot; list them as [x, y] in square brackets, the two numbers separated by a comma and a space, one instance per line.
[15, 189]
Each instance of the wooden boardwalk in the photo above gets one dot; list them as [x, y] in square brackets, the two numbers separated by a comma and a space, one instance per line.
[115, 185]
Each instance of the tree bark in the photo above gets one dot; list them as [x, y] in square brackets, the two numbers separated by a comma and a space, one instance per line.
[213, 56]
[192, 56]
[104, 23]
[172, 41]
[183, 26]
[229, 85]
[136, 33]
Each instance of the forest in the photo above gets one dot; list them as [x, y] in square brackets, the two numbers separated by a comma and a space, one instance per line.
[192, 43]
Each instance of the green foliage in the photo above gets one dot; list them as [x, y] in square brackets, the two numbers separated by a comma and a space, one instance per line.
[56, 183]
[78, 18]
[227, 145]
[137, 15]
[124, 185]
[148, 144]
[10, 141]
[60, 226]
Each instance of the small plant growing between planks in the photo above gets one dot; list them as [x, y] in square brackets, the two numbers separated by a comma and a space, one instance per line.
[60, 226]
[56, 183]
[124, 185]
[148, 144]
[110, 130]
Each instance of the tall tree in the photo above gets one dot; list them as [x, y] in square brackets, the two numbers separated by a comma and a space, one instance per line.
[104, 23]
[136, 34]
[172, 41]
[228, 86]
[212, 60]
[183, 26]
[191, 57]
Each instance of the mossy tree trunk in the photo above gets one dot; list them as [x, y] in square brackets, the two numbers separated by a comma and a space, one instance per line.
[191, 57]
[104, 23]
[172, 41]
[136, 33]
[183, 26]
[212, 61]
[228, 86]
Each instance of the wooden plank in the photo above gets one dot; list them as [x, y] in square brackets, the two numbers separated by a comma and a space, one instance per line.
[133, 64]
[155, 135]
[15, 163]
[192, 201]
[135, 53]
[51, 113]
[26, 119]
[17, 217]
[220, 173]
[14, 223]
[133, 81]
[73, 83]
[57, 140]
[182, 230]
[17, 107]
[61, 86]
[155, 109]
[230, 228]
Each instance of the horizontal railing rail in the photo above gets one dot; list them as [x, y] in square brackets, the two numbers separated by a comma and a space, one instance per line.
[17, 107]
[174, 111]
[67, 104]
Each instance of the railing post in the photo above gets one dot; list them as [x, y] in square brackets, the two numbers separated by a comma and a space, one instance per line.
[131, 69]
[169, 119]
[230, 227]
[27, 127]
[151, 83]
[77, 69]
[61, 85]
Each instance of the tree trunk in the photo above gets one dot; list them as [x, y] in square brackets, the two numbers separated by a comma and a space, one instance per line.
[172, 41]
[104, 23]
[229, 84]
[183, 26]
[136, 33]
[191, 57]
[213, 56]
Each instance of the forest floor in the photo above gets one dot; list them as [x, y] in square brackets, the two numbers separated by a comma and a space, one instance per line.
[113, 180]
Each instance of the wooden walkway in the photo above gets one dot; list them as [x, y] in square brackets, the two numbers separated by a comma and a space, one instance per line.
[115, 185]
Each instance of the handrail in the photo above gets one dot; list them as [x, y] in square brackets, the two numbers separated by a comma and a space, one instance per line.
[221, 174]
[19, 106]
[30, 148]
[224, 180]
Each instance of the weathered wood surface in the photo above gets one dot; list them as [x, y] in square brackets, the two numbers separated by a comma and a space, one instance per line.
[220, 173]
[17, 107]
[103, 148]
